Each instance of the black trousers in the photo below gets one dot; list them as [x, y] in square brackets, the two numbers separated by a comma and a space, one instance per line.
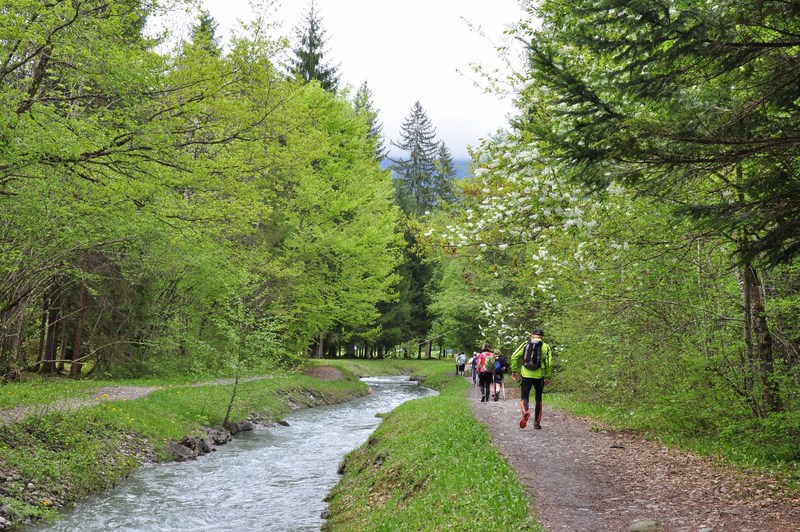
[526, 383]
[485, 382]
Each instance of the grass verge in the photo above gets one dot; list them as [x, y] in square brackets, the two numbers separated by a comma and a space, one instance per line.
[429, 466]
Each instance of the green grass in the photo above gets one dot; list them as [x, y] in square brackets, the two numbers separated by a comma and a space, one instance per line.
[430, 466]
[39, 390]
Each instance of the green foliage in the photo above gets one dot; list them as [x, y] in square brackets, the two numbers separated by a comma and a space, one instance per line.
[363, 105]
[145, 192]
[632, 117]
[663, 99]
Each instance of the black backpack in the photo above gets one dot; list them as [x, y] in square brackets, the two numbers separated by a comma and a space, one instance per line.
[532, 358]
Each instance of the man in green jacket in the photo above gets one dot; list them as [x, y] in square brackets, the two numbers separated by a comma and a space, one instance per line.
[533, 362]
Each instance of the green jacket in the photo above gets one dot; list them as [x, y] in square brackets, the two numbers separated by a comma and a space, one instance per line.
[545, 370]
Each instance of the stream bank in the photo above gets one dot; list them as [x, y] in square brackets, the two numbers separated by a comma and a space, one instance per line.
[273, 478]
[54, 455]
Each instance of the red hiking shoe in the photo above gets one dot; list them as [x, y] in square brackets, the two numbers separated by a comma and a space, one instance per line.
[525, 416]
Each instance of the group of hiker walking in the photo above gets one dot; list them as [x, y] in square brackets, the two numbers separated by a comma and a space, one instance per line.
[531, 364]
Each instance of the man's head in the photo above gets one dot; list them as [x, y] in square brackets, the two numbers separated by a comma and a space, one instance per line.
[537, 333]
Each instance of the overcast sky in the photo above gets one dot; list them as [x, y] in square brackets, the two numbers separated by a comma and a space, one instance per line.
[406, 52]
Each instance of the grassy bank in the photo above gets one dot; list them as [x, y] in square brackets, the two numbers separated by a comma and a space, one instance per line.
[429, 466]
[53, 457]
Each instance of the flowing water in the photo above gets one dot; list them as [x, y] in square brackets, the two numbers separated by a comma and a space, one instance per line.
[270, 479]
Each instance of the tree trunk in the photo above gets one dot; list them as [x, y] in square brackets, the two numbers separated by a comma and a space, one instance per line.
[16, 362]
[49, 355]
[42, 331]
[64, 350]
[321, 345]
[758, 339]
[83, 300]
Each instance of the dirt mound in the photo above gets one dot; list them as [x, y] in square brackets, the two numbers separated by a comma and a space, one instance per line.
[324, 373]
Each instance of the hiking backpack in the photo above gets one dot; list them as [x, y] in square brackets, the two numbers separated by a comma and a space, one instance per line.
[532, 358]
[486, 362]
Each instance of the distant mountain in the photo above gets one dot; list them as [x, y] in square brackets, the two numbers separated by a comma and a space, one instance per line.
[462, 167]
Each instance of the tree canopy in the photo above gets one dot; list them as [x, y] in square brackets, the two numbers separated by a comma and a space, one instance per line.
[151, 198]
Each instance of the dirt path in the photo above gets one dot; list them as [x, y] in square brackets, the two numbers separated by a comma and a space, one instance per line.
[582, 477]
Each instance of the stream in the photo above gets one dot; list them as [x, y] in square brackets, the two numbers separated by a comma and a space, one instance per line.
[273, 478]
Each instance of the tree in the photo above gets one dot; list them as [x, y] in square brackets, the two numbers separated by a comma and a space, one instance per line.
[446, 173]
[363, 106]
[418, 179]
[422, 182]
[309, 63]
[204, 34]
[333, 230]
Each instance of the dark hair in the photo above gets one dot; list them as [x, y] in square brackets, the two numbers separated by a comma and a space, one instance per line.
[537, 332]
[487, 346]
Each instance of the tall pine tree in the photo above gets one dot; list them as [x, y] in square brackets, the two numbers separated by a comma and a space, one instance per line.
[308, 63]
[204, 34]
[416, 177]
[363, 105]
[446, 174]
[423, 181]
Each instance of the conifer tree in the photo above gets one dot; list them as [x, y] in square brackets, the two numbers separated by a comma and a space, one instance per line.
[422, 181]
[416, 178]
[446, 173]
[204, 34]
[363, 105]
[309, 62]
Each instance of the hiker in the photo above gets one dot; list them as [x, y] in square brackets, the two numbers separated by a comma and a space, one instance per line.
[533, 363]
[461, 361]
[473, 363]
[486, 361]
[500, 368]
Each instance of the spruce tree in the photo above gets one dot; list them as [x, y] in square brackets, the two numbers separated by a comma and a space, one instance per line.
[363, 105]
[422, 181]
[416, 177]
[204, 34]
[446, 174]
[309, 63]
